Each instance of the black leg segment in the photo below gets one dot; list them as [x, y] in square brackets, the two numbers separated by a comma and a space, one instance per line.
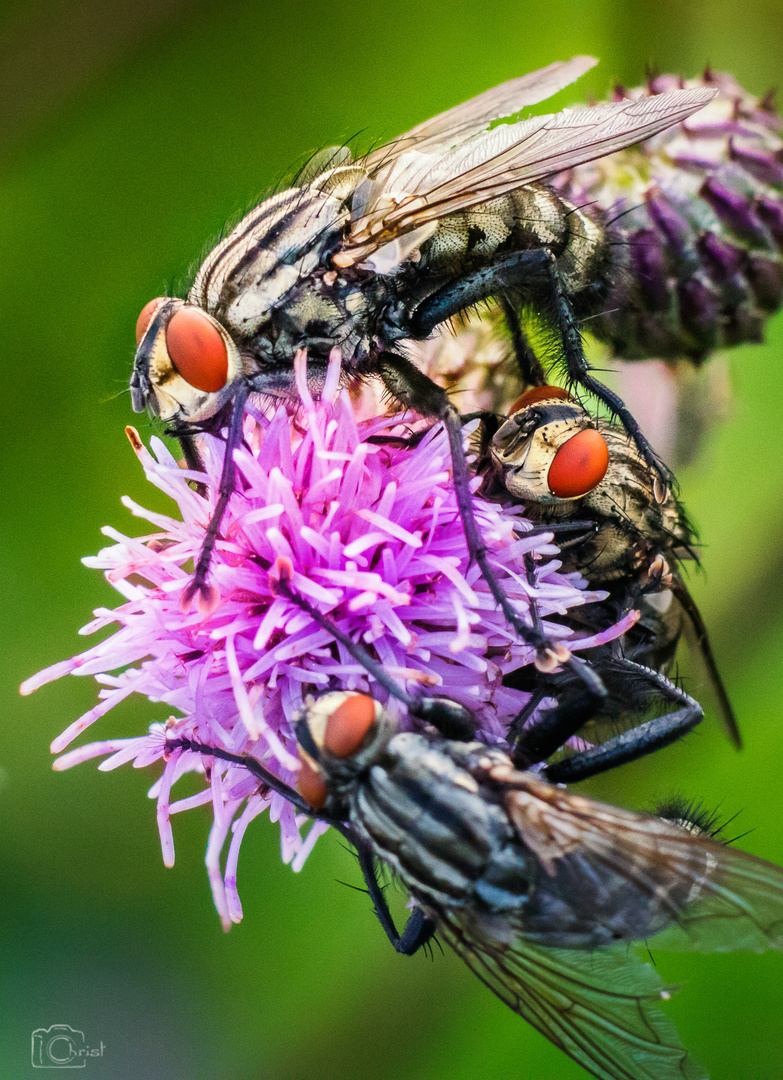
[529, 365]
[419, 928]
[521, 270]
[579, 371]
[227, 486]
[638, 741]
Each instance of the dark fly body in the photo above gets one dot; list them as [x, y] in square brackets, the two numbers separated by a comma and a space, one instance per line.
[369, 255]
[624, 531]
[540, 892]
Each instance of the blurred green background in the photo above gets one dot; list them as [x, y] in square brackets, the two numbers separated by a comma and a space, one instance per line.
[128, 133]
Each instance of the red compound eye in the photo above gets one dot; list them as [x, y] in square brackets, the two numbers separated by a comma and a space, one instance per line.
[147, 315]
[579, 465]
[197, 350]
[539, 393]
[348, 725]
[311, 786]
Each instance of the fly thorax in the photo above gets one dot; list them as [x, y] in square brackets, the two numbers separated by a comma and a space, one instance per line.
[269, 260]
[611, 553]
[627, 494]
[427, 817]
[318, 315]
[341, 183]
[633, 496]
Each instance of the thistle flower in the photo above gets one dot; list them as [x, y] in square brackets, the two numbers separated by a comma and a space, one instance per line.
[698, 212]
[363, 523]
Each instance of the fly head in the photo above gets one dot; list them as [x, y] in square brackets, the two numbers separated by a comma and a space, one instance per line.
[186, 362]
[549, 451]
[340, 735]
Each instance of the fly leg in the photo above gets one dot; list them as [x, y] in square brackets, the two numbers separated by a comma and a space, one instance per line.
[535, 742]
[579, 371]
[419, 928]
[189, 450]
[187, 442]
[526, 270]
[530, 573]
[534, 271]
[252, 764]
[530, 367]
[208, 593]
[260, 384]
[415, 390]
[630, 745]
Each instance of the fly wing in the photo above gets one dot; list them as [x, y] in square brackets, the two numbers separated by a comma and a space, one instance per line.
[598, 1006]
[455, 125]
[414, 189]
[651, 877]
[738, 905]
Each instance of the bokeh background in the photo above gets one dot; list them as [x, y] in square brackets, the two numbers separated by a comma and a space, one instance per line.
[128, 133]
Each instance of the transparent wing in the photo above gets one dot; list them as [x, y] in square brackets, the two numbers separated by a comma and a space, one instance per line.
[700, 894]
[415, 188]
[455, 125]
[599, 1007]
[740, 906]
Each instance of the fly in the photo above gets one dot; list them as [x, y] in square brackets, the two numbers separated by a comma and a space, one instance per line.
[539, 891]
[624, 531]
[365, 256]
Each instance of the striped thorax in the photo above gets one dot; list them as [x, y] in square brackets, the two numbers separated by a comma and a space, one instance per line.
[346, 257]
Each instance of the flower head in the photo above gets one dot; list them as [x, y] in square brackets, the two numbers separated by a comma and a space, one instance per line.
[698, 212]
[361, 520]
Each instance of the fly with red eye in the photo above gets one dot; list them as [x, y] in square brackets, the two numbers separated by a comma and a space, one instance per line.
[363, 256]
[195, 346]
[580, 460]
[626, 536]
[541, 892]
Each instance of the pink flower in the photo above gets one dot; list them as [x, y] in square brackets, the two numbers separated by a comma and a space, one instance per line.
[365, 521]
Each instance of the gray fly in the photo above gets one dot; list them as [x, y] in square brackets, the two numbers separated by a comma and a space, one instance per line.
[625, 532]
[366, 256]
[538, 890]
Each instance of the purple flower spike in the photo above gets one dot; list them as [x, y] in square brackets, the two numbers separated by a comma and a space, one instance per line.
[362, 521]
[649, 264]
[733, 210]
[710, 192]
[672, 225]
